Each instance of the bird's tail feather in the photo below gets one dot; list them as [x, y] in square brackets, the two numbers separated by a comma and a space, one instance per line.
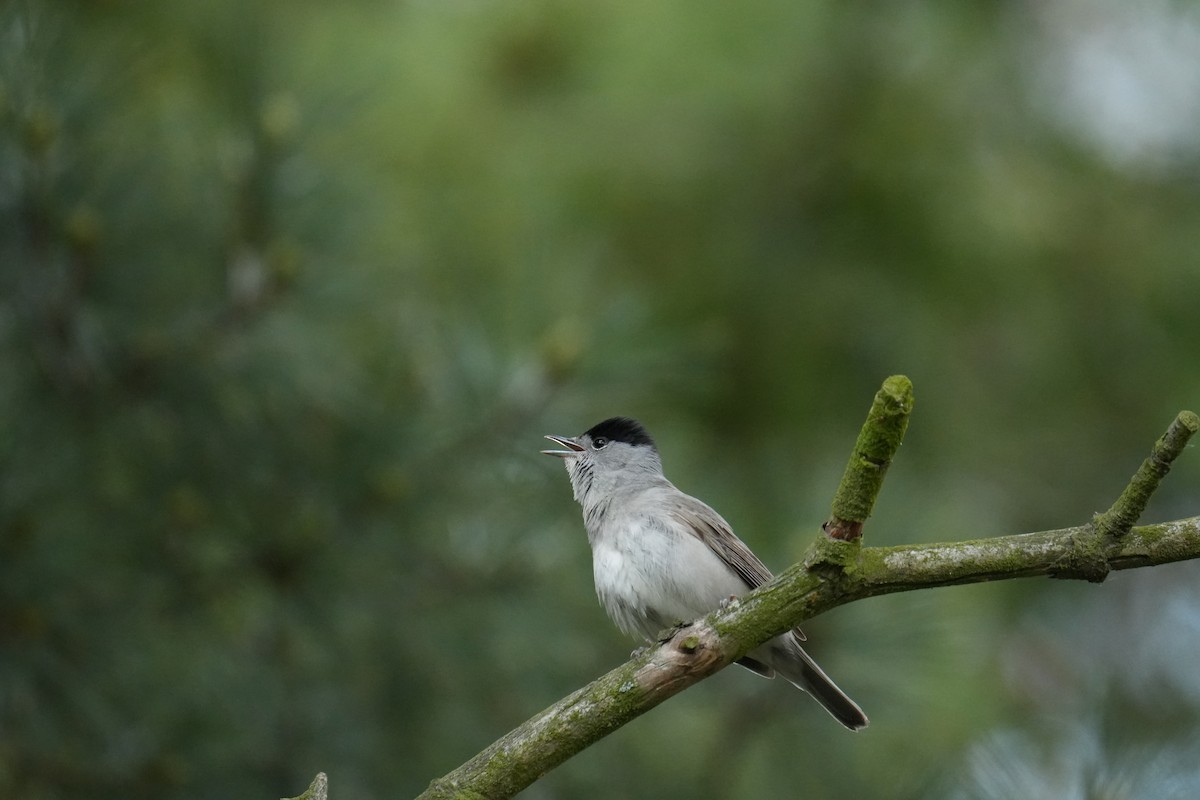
[801, 671]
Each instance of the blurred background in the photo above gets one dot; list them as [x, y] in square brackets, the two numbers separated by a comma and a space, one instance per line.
[289, 293]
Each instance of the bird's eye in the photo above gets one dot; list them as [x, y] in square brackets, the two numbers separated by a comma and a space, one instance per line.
[599, 442]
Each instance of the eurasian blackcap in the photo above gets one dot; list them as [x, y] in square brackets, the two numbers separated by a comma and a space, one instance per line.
[662, 557]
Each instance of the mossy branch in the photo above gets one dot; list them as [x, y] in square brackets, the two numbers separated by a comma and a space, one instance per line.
[836, 571]
[1117, 521]
[876, 446]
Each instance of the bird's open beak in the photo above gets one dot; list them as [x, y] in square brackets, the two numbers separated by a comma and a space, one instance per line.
[573, 447]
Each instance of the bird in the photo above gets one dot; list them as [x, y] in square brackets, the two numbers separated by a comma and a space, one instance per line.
[661, 557]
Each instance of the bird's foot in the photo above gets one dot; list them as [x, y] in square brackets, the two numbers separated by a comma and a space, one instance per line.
[664, 636]
[669, 633]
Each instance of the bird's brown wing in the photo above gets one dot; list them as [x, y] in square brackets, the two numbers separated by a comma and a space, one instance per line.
[711, 528]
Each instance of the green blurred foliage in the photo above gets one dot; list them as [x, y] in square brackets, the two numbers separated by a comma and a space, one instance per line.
[290, 292]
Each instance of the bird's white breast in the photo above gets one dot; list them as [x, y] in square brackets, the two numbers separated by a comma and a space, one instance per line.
[651, 572]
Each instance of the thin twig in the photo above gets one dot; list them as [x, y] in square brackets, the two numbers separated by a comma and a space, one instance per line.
[1117, 521]
[317, 790]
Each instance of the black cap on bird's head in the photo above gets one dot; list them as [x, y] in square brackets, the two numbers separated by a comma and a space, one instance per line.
[615, 429]
[620, 429]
